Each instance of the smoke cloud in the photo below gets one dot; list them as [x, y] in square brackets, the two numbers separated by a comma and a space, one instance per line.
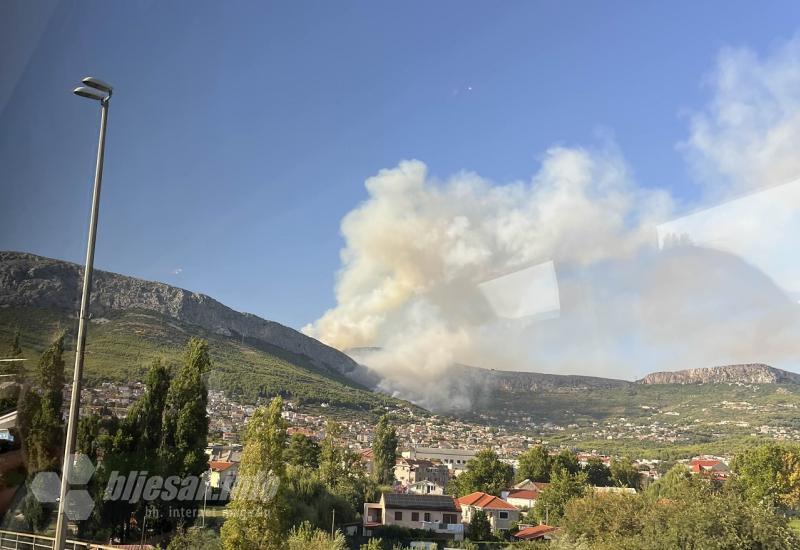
[432, 269]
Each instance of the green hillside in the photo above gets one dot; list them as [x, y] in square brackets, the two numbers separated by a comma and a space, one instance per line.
[643, 419]
[121, 346]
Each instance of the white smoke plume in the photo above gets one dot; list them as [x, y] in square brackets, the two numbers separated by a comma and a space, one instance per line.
[748, 136]
[418, 250]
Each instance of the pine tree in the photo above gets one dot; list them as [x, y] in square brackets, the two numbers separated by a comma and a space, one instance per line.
[184, 431]
[384, 452]
[149, 410]
[257, 519]
[41, 425]
[479, 527]
[185, 421]
[39, 412]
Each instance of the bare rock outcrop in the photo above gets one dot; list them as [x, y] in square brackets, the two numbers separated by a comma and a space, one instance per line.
[755, 373]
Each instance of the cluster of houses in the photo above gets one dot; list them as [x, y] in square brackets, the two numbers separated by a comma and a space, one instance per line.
[419, 499]
[449, 516]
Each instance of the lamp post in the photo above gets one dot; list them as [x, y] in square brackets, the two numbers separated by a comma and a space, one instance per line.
[99, 91]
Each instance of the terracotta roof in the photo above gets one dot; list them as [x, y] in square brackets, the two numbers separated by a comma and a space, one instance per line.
[220, 465]
[531, 533]
[699, 464]
[485, 502]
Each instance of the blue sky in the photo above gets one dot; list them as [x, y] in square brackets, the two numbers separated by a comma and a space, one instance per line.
[241, 134]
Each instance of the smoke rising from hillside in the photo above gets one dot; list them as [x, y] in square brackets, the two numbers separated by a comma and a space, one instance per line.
[419, 252]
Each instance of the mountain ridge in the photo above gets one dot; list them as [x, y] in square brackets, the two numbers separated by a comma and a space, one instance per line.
[750, 373]
[29, 280]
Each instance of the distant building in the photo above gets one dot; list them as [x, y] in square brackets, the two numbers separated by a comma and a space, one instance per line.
[455, 459]
[710, 467]
[409, 471]
[224, 453]
[425, 488]
[367, 461]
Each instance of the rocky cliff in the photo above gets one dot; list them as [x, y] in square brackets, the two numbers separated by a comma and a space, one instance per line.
[755, 373]
[28, 280]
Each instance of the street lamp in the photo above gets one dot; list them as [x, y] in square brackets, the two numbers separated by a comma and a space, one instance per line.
[99, 91]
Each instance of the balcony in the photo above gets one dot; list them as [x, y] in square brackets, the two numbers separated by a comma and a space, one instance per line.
[455, 529]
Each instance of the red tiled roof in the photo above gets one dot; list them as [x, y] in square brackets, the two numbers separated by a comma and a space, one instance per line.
[220, 465]
[485, 502]
[700, 465]
[538, 531]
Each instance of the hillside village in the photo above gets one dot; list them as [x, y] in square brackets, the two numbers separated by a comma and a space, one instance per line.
[433, 450]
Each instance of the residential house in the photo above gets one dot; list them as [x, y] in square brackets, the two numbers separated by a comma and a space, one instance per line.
[425, 487]
[409, 471]
[223, 474]
[524, 498]
[709, 467]
[530, 485]
[535, 532]
[500, 513]
[437, 513]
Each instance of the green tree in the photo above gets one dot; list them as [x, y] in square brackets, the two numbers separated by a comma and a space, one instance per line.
[306, 537]
[565, 460]
[184, 432]
[331, 457]
[302, 451]
[260, 523]
[384, 451]
[88, 436]
[36, 517]
[759, 471]
[535, 464]
[195, 538]
[597, 473]
[479, 527]
[373, 544]
[485, 473]
[563, 487]
[312, 501]
[39, 412]
[625, 474]
[148, 413]
[696, 516]
[670, 484]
